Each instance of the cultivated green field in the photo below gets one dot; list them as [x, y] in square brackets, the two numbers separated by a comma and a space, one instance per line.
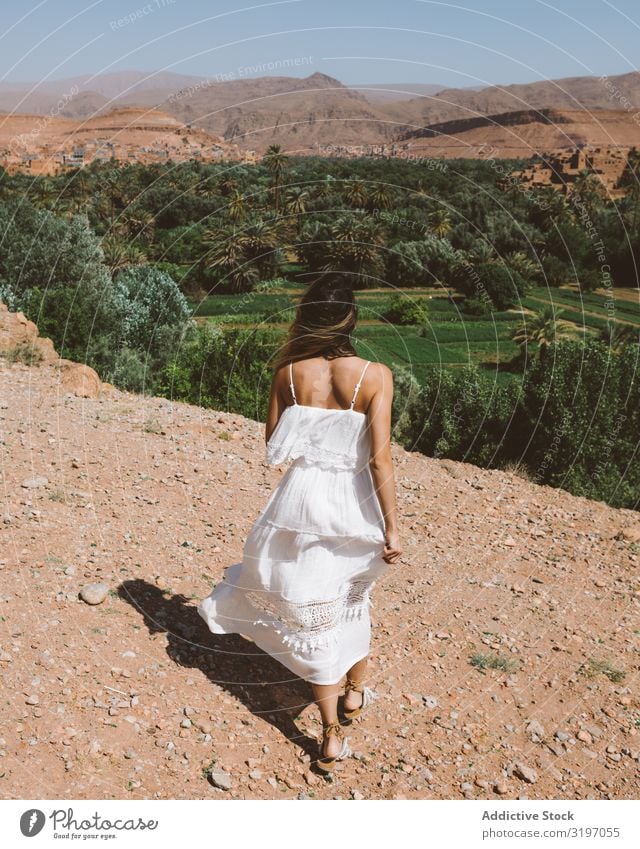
[451, 338]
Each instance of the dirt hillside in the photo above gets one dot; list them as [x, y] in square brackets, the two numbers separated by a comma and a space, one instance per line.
[132, 697]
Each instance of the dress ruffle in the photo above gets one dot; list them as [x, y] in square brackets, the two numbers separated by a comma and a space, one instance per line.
[343, 504]
[333, 439]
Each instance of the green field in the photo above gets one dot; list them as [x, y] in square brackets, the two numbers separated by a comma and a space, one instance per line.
[451, 338]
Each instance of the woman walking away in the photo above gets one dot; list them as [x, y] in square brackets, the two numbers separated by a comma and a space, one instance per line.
[329, 529]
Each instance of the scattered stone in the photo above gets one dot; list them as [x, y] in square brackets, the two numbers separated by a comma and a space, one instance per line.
[34, 483]
[94, 593]
[535, 730]
[220, 779]
[526, 773]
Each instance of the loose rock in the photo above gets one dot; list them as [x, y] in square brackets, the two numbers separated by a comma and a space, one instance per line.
[94, 593]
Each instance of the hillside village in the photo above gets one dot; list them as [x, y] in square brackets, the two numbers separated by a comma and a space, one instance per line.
[560, 169]
[132, 134]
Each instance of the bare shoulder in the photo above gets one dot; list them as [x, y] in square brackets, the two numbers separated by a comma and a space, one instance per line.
[379, 385]
[281, 380]
[381, 373]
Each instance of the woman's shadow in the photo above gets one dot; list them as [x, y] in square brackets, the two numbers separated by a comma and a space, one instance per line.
[230, 661]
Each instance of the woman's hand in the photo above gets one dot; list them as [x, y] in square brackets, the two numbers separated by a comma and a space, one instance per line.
[392, 548]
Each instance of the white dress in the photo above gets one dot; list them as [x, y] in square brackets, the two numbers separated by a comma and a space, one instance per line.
[314, 553]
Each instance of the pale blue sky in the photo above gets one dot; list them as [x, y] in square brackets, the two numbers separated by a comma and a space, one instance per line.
[472, 42]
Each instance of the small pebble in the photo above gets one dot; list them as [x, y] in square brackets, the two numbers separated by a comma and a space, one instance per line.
[94, 593]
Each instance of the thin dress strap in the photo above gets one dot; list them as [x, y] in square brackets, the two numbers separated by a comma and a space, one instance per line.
[355, 394]
[293, 391]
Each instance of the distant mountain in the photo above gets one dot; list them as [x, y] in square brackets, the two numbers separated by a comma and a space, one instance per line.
[523, 134]
[302, 114]
[91, 94]
[318, 113]
[617, 92]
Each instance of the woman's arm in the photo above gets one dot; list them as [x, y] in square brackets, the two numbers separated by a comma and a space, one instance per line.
[380, 462]
[276, 404]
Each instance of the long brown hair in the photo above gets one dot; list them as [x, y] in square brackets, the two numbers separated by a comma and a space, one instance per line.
[325, 319]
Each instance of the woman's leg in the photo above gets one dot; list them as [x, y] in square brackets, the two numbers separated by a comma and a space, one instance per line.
[357, 672]
[326, 697]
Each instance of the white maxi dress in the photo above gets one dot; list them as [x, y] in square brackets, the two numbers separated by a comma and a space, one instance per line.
[313, 555]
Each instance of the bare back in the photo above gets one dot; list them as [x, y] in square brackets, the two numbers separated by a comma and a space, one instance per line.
[331, 384]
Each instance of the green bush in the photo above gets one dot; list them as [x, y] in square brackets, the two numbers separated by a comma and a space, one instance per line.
[579, 421]
[224, 369]
[475, 305]
[403, 309]
[494, 280]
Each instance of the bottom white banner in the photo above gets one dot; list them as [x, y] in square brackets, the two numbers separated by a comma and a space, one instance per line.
[431, 822]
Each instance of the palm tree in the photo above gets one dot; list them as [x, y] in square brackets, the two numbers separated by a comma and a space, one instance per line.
[356, 194]
[482, 251]
[590, 190]
[227, 185]
[324, 187]
[205, 188]
[119, 254]
[46, 192]
[616, 336]
[380, 197]
[296, 201]
[356, 246]
[553, 205]
[440, 223]
[296, 206]
[228, 254]
[276, 162]
[241, 255]
[237, 209]
[139, 223]
[523, 264]
[261, 241]
[543, 328]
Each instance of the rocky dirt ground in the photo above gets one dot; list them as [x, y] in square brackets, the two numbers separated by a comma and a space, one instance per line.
[505, 645]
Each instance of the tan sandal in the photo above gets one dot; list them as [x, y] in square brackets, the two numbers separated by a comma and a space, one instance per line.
[327, 763]
[368, 696]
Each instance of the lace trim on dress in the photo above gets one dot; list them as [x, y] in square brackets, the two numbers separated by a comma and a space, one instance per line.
[279, 452]
[312, 624]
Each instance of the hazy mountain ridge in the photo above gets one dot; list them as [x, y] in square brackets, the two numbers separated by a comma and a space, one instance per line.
[304, 114]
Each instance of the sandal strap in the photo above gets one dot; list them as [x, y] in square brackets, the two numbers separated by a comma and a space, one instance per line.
[353, 685]
[332, 728]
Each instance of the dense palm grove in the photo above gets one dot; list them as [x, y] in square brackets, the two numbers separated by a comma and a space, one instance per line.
[112, 261]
